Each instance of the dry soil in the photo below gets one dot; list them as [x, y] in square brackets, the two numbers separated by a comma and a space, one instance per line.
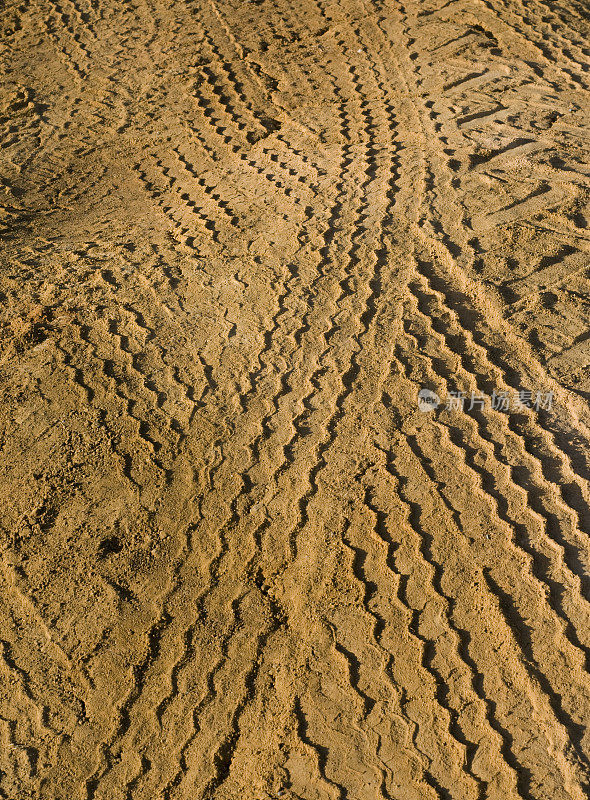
[238, 562]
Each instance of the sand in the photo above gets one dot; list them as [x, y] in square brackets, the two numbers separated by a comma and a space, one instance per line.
[238, 560]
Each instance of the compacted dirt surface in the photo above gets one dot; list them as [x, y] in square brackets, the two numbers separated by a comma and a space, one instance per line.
[238, 561]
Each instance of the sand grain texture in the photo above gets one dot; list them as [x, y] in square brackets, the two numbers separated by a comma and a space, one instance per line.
[236, 559]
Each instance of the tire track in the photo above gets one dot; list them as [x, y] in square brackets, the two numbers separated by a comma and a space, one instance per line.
[496, 363]
[233, 520]
[458, 441]
[313, 589]
[427, 658]
[496, 440]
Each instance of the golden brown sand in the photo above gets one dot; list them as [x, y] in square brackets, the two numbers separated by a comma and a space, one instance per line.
[238, 562]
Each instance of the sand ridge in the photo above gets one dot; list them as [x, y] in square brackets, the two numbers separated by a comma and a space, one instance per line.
[237, 559]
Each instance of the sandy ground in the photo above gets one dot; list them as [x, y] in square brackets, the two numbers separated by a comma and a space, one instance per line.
[238, 562]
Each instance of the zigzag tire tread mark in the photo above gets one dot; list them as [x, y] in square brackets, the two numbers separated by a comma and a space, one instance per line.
[474, 467]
